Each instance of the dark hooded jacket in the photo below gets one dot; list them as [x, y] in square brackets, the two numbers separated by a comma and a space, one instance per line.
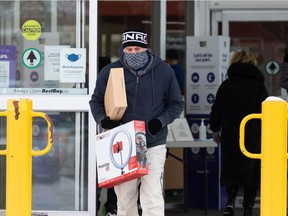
[284, 75]
[241, 94]
[153, 93]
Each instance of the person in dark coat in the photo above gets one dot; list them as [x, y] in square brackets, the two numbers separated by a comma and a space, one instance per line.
[284, 73]
[241, 94]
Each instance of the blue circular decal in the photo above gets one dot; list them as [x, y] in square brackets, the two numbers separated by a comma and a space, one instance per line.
[195, 77]
[210, 77]
[195, 98]
[210, 98]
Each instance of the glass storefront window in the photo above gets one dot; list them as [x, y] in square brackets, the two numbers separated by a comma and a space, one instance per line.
[58, 177]
[40, 52]
[176, 26]
[268, 40]
[176, 40]
[114, 18]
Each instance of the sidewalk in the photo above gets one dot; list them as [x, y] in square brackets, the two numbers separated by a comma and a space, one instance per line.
[210, 212]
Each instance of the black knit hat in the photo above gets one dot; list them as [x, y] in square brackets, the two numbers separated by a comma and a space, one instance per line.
[134, 37]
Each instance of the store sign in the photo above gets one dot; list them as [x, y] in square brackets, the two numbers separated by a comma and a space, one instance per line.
[52, 62]
[207, 63]
[72, 65]
[7, 66]
[44, 91]
[272, 67]
[31, 58]
[31, 30]
[39, 214]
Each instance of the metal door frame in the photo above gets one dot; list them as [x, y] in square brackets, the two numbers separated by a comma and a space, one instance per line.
[227, 16]
[50, 103]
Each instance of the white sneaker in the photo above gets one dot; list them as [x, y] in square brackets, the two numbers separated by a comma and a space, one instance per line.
[109, 214]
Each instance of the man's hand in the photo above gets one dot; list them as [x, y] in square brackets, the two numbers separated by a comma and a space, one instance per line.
[154, 126]
[107, 123]
[216, 137]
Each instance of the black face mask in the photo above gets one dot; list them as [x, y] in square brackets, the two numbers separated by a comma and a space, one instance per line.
[136, 60]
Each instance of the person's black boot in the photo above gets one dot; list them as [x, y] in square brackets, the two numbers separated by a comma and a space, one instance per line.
[231, 192]
[249, 200]
[248, 211]
[229, 210]
[111, 203]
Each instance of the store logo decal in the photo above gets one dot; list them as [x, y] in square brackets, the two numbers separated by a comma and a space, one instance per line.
[203, 43]
[3, 56]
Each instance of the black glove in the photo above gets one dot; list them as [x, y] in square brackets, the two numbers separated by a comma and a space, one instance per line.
[154, 126]
[106, 123]
[216, 137]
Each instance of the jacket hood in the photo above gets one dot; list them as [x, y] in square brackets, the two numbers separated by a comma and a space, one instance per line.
[245, 70]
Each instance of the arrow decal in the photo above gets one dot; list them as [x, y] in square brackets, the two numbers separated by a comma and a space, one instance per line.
[31, 57]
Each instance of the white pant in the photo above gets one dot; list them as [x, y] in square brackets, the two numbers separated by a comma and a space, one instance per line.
[151, 188]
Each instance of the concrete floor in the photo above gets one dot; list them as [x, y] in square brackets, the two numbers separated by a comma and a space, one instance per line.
[174, 206]
[210, 212]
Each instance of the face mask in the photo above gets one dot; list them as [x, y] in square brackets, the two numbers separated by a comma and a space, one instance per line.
[136, 60]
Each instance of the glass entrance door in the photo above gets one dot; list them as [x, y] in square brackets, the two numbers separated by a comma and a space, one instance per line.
[44, 57]
[261, 31]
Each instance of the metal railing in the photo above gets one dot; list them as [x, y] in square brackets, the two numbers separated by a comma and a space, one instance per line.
[19, 154]
[273, 155]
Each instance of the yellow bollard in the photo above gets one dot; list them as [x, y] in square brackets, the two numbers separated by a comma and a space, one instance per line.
[273, 155]
[19, 154]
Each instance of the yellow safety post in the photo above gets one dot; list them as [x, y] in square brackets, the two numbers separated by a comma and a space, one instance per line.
[19, 154]
[273, 155]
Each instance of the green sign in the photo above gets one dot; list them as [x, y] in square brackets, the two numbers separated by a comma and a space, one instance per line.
[31, 58]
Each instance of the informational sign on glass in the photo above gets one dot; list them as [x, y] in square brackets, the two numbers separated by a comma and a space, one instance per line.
[7, 66]
[72, 65]
[207, 63]
[52, 62]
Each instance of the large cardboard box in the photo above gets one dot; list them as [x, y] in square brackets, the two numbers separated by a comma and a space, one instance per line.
[115, 101]
[121, 154]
